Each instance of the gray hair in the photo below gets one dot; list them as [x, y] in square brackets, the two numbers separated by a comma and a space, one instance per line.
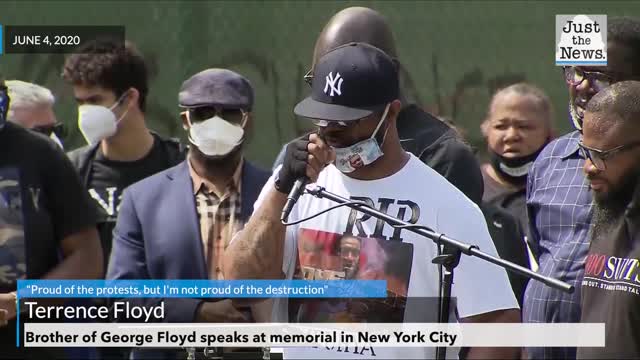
[541, 100]
[27, 95]
[526, 89]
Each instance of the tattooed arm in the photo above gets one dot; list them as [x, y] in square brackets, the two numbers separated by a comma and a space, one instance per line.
[256, 252]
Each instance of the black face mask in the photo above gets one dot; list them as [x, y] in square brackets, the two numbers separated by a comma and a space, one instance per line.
[513, 170]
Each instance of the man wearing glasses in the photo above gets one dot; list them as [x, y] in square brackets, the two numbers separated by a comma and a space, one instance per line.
[611, 285]
[558, 198]
[177, 223]
[32, 108]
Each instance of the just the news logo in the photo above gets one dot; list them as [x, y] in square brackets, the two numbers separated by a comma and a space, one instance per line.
[581, 40]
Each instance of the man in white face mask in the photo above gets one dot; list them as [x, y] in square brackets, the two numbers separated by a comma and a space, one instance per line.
[110, 85]
[178, 222]
[109, 82]
[356, 153]
[216, 121]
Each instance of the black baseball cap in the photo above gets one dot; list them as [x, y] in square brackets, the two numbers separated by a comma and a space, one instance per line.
[216, 87]
[350, 82]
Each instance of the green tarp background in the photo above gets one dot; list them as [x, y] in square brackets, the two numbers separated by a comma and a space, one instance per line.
[455, 52]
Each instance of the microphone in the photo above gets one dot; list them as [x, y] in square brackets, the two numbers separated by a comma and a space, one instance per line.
[292, 198]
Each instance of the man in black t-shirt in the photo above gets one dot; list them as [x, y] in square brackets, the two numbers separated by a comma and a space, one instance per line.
[110, 85]
[47, 223]
[611, 283]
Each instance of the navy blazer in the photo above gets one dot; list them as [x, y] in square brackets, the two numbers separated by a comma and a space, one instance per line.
[157, 234]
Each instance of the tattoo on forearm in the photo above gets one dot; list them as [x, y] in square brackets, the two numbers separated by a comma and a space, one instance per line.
[258, 249]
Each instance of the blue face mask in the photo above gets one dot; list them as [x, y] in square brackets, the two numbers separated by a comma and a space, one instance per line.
[362, 153]
[4, 105]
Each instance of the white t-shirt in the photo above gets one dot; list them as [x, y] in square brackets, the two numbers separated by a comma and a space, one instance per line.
[317, 249]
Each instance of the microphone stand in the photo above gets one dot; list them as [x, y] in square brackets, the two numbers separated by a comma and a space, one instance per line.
[450, 257]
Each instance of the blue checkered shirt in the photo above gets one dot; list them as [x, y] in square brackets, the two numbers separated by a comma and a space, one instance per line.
[559, 210]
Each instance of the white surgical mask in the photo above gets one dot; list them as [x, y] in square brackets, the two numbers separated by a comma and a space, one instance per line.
[362, 153]
[216, 136]
[98, 122]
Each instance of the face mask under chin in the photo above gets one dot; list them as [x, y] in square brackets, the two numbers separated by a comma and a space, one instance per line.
[364, 152]
[513, 170]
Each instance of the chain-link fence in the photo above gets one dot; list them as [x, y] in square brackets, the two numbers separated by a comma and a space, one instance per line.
[455, 53]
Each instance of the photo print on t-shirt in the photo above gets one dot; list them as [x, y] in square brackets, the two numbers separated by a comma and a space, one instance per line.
[12, 243]
[330, 256]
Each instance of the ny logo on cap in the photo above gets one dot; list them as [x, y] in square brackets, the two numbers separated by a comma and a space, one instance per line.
[330, 84]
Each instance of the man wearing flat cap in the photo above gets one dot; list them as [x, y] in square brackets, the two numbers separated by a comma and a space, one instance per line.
[177, 223]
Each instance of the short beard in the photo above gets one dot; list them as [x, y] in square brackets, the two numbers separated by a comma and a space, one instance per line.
[611, 207]
[350, 273]
[603, 219]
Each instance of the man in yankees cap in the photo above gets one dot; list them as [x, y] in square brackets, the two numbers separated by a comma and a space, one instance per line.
[354, 105]
[176, 224]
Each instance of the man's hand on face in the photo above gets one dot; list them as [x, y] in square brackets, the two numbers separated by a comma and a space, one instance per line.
[306, 156]
[221, 311]
[7, 307]
[320, 155]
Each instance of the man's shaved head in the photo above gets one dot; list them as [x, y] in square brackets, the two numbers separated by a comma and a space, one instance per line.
[619, 99]
[355, 24]
[612, 121]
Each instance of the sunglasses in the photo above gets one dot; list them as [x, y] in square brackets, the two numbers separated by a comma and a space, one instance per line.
[598, 157]
[574, 76]
[346, 124]
[328, 123]
[234, 116]
[57, 128]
